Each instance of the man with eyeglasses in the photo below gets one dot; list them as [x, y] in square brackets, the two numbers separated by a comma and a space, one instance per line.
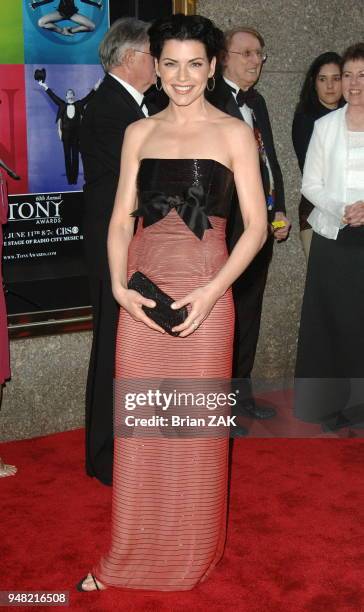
[119, 101]
[234, 94]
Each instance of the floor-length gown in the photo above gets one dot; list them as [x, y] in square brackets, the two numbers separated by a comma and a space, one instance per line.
[170, 495]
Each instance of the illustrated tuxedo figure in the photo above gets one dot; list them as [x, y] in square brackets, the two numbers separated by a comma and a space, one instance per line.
[248, 290]
[68, 119]
[115, 105]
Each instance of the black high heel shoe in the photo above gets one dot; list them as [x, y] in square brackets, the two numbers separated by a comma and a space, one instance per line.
[339, 421]
[79, 585]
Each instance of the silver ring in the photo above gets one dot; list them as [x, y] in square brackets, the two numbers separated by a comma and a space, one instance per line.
[194, 324]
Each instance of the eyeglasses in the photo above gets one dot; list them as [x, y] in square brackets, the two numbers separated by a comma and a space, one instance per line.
[145, 52]
[248, 54]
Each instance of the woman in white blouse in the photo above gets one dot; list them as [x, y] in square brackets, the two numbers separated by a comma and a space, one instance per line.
[330, 354]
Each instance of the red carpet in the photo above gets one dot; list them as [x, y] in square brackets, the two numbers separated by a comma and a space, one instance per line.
[295, 538]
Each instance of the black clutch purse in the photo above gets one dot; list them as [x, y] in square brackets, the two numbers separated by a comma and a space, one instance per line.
[162, 313]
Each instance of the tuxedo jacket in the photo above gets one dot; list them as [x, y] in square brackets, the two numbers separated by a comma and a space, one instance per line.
[79, 105]
[103, 126]
[222, 98]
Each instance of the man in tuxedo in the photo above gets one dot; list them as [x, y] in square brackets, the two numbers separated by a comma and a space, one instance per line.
[118, 102]
[234, 94]
[68, 120]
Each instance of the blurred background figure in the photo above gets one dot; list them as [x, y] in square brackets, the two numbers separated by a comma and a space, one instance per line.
[321, 93]
[119, 101]
[235, 94]
[330, 365]
[5, 470]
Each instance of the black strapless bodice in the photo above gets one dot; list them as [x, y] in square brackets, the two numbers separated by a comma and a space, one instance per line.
[196, 188]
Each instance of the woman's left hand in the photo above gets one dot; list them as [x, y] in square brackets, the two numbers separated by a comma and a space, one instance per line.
[354, 214]
[201, 300]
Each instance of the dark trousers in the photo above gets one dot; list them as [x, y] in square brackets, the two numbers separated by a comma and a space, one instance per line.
[330, 366]
[71, 151]
[248, 292]
[99, 391]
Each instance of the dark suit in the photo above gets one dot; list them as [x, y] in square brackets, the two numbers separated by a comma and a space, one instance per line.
[249, 288]
[106, 118]
[70, 132]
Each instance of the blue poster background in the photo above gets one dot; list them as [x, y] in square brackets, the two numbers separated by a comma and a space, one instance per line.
[46, 167]
[42, 45]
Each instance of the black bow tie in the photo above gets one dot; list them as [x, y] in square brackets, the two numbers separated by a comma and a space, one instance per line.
[245, 97]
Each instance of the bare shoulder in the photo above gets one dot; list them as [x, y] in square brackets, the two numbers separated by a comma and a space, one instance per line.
[137, 133]
[240, 141]
[138, 128]
[146, 126]
[226, 121]
[235, 129]
[230, 127]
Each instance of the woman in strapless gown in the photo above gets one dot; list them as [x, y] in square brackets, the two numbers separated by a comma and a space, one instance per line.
[170, 494]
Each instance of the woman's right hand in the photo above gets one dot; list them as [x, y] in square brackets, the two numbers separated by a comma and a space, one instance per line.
[133, 301]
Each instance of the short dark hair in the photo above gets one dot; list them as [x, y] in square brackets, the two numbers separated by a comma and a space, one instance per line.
[309, 102]
[186, 27]
[354, 52]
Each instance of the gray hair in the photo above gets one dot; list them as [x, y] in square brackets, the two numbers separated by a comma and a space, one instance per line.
[125, 33]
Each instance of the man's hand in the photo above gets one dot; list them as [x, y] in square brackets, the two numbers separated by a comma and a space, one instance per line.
[281, 232]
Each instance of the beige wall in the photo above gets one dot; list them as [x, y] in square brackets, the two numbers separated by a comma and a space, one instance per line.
[47, 389]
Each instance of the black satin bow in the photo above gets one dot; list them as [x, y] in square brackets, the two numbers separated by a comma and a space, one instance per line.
[245, 97]
[191, 207]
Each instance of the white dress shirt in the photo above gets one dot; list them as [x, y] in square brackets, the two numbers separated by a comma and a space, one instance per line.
[138, 97]
[245, 111]
[71, 111]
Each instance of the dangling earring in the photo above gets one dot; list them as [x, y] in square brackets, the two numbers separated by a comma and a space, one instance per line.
[213, 84]
[158, 84]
